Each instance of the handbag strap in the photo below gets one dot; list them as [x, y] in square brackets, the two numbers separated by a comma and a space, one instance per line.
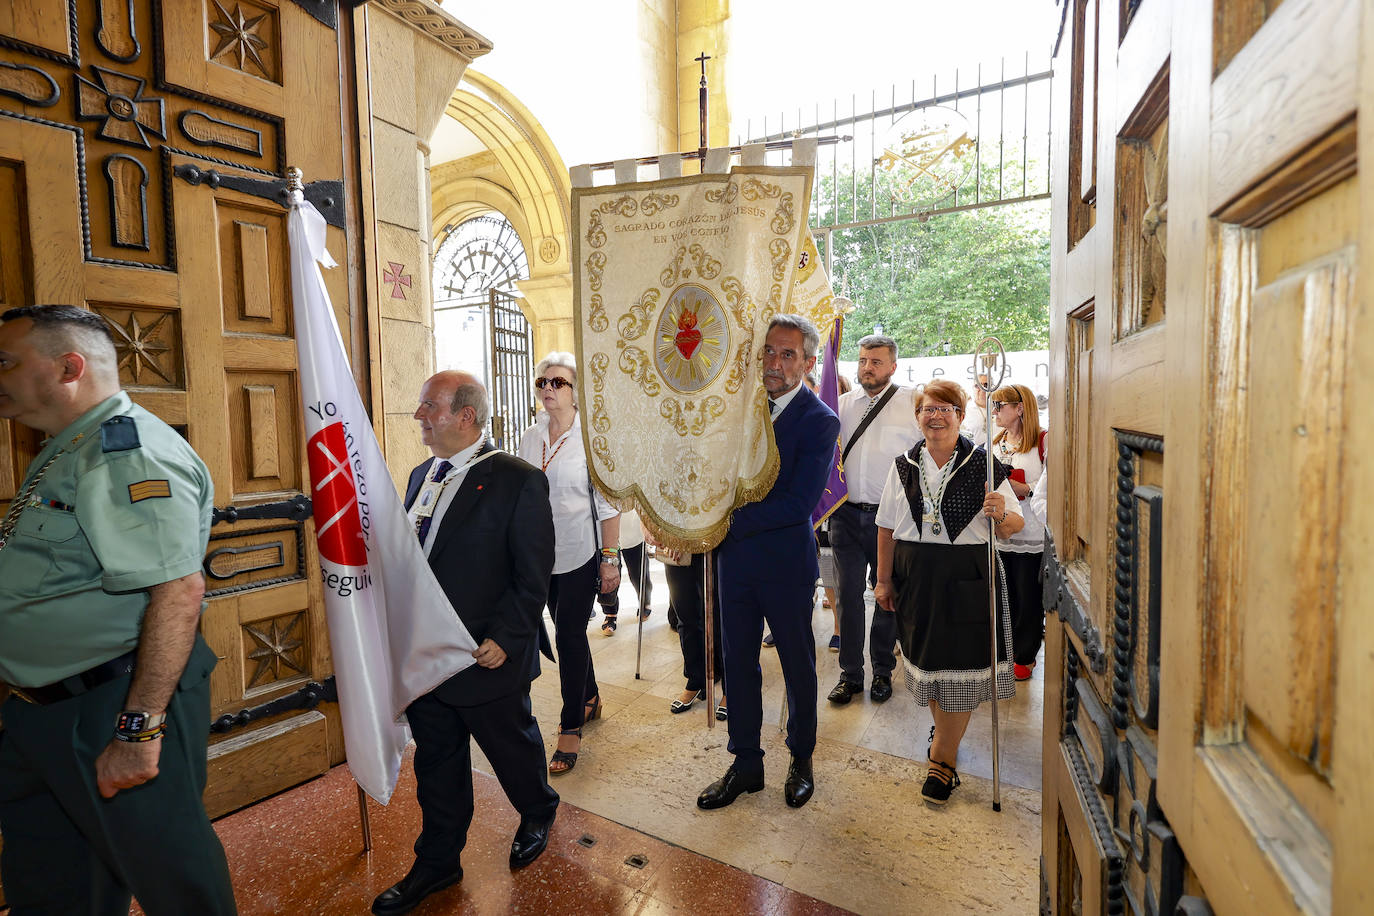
[867, 420]
[591, 498]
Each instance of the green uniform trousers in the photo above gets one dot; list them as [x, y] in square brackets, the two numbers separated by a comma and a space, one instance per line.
[69, 851]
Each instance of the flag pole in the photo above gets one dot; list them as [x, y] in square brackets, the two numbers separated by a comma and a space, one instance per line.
[639, 624]
[364, 821]
[993, 356]
[295, 184]
[708, 618]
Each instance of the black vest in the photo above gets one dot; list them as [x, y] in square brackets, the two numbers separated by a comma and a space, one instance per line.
[963, 499]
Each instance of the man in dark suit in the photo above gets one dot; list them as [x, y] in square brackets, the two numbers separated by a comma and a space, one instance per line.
[484, 521]
[767, 571]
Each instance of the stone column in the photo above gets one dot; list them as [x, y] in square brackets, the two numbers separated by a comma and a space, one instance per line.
[414, 54]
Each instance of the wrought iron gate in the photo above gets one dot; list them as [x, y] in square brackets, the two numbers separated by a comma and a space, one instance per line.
[957, 146]
[512, 369]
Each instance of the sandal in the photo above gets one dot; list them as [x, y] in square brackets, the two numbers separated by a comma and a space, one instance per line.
[679, 706]
[563, 761]
[591, 709]
[939, 784]
[608, 625]
[721, 712]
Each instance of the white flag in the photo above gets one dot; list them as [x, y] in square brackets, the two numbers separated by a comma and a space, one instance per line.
[392, 631]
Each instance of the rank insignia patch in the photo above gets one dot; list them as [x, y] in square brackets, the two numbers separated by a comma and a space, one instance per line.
[149, 489]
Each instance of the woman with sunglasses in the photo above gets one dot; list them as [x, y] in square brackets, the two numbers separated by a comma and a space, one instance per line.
[1021, 447]
[933, 573]
[586, 547]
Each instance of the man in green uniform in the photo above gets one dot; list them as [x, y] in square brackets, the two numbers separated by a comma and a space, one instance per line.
[102, 749]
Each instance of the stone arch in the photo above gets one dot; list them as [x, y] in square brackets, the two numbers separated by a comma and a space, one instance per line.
[522, 176]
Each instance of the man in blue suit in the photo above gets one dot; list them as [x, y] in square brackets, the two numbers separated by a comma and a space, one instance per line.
[767, 571]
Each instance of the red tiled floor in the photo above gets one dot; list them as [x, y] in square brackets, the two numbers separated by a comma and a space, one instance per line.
[301, 853]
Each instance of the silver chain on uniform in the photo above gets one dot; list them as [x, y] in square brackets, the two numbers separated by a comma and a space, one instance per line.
[21, 501]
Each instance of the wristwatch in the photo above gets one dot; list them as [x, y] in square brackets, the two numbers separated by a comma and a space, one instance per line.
[135, 725]
[613, 560]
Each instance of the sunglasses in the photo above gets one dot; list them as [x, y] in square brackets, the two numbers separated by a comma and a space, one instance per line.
[998, 405]
[554, 383]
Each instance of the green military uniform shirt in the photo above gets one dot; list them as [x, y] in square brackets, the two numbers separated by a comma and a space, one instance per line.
[126, 505]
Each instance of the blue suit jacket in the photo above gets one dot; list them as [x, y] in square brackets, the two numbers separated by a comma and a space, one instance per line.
[773, 538]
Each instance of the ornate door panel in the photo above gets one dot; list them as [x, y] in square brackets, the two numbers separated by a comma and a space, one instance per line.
[1208, 675]
[142, 148]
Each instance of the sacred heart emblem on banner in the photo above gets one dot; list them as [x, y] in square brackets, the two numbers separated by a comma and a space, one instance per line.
[676, 281]
[693, 336]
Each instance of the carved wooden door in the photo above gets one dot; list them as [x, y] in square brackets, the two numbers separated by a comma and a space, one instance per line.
[1207, 698]
[113, 116]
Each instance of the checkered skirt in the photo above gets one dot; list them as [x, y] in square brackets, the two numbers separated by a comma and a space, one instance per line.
[942, 622]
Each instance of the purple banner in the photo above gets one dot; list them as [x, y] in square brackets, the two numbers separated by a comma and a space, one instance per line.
[835, 489]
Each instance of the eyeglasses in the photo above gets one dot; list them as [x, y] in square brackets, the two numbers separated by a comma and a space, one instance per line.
[998, 405]
[554, 383]
[938, 411]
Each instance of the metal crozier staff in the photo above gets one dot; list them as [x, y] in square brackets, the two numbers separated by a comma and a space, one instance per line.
[933, 573]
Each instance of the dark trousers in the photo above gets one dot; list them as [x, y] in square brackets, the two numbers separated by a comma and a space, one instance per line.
[506, 731]
[687, 592]
[854, 540]
[570, 605]
[634, 562]
[749, 596]
[1027, 603]
[67, 850]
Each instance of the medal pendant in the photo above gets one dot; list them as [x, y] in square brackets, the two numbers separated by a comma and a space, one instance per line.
[935, 528]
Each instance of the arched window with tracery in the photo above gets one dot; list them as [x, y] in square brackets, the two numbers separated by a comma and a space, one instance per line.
[478, 324]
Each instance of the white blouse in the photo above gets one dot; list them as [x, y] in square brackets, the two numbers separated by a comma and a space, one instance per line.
[1031, 538]
[894, 511]
[564, 462]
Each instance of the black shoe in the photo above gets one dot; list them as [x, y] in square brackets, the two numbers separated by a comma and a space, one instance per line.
[844, 692]
[677, 706]
[800, 785]
[406, 894]
[529, 841]
[728, 788]
[939, 784]
[881, 691]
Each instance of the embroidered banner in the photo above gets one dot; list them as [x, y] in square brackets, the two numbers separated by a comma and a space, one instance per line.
[676, 282]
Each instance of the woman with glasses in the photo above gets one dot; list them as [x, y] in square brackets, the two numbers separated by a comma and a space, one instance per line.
[586, 547]
[1021, 447]
[933, 573]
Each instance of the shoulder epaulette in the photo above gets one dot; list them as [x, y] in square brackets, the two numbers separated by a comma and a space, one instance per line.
[119, 434]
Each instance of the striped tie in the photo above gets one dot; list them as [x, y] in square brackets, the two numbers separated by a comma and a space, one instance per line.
[440, 472]
[867, 410]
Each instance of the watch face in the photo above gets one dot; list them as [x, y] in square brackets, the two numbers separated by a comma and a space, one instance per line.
[132, 721]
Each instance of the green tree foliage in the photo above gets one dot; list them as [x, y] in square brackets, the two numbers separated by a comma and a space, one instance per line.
[940, 284]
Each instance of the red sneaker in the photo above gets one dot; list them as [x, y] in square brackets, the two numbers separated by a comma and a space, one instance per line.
[1023, 672]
